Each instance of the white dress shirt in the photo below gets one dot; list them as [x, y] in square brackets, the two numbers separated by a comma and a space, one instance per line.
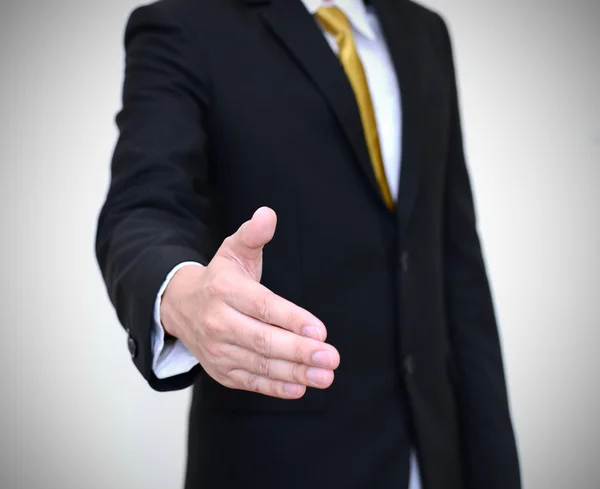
[174, 358]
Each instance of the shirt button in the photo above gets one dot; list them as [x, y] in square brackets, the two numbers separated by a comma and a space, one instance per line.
[409, 364]
[132, 346]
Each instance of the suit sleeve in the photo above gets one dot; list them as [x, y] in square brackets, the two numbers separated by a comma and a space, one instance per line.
[158, 209]
[489, 449]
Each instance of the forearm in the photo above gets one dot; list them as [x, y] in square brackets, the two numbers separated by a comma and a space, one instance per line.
[489, 450]
[133, 274]
[158, 210]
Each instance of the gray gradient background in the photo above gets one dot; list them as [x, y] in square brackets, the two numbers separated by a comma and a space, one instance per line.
[74, 411]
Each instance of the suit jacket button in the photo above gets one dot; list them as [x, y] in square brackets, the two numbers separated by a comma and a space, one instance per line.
[132, 345]
[409, 364]
[404, 261]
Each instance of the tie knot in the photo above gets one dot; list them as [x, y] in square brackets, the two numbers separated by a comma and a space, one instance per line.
[334, 21]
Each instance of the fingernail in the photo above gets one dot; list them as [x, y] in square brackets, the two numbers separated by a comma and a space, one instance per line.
[292, 390]
[313, 332]
[322, 359]
[317, 375]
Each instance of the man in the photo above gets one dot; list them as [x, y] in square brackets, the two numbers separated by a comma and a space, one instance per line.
[289, 202]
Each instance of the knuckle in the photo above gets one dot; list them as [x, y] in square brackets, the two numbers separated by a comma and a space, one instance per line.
[213, 350]
[228, 241]
[299, 353]
[212, 324]
[289, 320]
[227, 380]
[253, 383]
[261, 342]
[278, 390]
[230, 249]
[211, 289]
[261, 306]
[229, 245]
[218, 286]
[299, 373]
[263, 366]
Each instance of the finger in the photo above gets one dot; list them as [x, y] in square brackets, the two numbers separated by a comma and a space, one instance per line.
[255, 300]
[255, 383]
[294, 373]
[273, 342]
[247, 243]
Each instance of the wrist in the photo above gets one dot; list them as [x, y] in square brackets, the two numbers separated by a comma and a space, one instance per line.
[179, 291]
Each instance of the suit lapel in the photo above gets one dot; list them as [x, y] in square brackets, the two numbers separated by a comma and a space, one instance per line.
[403, 43]
[295, 29]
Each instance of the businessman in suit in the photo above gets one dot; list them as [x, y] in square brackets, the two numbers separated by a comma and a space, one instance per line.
[290, 229]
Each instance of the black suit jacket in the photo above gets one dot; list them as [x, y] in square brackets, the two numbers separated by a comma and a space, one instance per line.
[229, 105]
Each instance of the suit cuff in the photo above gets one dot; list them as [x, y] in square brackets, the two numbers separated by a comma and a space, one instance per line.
[169, 358]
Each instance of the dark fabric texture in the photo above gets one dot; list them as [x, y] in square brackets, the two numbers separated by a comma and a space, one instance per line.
[229, 105]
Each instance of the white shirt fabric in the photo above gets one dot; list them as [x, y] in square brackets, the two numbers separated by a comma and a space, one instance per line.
[170, 359]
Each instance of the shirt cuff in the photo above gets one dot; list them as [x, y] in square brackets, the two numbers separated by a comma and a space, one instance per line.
[173, 357]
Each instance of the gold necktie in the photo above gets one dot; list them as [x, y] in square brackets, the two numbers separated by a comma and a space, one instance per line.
[336, 23]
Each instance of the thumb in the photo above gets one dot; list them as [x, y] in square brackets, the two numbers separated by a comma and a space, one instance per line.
[247, 243]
